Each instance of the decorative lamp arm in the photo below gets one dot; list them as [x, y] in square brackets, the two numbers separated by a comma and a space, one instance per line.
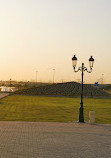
[85, 69]
[79, 69]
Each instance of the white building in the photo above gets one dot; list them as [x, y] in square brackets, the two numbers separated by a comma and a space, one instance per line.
[6, 89]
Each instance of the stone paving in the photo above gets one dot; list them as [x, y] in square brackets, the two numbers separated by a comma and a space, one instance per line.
[54, 140]
[3, 95]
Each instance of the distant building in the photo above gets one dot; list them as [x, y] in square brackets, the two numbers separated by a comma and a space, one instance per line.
[6, 89]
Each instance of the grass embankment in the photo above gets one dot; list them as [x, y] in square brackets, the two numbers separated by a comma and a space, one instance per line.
[55, 109]
[107, 89]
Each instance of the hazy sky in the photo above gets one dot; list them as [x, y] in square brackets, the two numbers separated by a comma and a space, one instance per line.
[42, 35]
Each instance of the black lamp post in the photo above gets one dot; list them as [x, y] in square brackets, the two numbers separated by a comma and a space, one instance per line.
[82, 68]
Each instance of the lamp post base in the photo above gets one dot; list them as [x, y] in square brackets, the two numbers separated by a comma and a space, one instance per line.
[81, 114]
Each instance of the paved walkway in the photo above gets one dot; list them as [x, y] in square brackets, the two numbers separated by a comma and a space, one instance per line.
[54, 140]
[3, 95]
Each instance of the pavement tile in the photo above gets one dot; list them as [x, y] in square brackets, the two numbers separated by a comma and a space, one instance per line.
[54, 140]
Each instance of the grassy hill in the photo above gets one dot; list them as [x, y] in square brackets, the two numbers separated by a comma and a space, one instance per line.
[106, 88]
[64, 89]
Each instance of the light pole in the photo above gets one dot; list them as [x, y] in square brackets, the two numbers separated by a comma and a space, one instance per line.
[36, 76]
[82, 69]
[53, 75]
[10, 82]
[102, 78]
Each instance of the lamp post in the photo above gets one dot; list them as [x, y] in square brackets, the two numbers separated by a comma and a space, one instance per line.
[36, 76]
[102, 78]
[10, 82]
[82, 69]
[53, 75]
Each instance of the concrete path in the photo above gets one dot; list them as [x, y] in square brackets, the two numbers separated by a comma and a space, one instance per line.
[3, 95]
[54, 140]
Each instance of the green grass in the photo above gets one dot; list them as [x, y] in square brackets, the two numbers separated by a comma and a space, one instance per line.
[108, 91]
[52, 109]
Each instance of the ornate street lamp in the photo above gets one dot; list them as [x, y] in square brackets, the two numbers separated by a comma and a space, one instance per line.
[82, 68]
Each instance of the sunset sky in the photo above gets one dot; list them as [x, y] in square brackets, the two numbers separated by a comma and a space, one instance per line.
[42, 35]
